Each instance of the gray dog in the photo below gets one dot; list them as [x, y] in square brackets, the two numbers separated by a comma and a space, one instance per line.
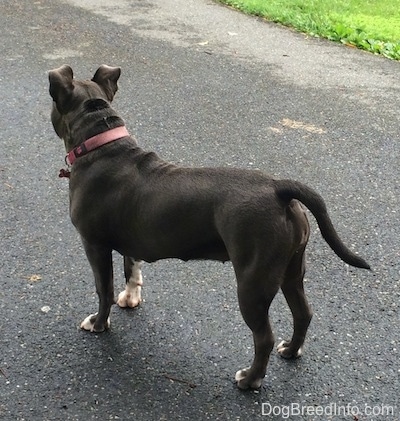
[126, 199]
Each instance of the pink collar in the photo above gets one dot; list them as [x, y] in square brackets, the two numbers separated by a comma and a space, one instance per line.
[95, 142]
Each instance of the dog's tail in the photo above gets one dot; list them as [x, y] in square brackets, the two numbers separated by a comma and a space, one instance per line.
[289, 189]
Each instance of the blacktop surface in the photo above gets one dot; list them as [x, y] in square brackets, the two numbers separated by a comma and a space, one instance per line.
[201, 85]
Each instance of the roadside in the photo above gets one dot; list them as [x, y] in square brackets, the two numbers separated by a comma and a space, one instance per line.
[371, 27]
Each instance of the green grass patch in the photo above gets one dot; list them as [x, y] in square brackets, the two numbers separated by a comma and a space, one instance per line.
[373, 25]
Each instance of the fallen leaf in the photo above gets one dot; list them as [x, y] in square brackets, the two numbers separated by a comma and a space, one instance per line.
[34, 278]
[293, 124]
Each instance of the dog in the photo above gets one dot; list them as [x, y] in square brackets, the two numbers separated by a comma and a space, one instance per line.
[126, 199]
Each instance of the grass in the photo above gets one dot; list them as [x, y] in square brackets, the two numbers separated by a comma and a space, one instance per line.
[372, 25]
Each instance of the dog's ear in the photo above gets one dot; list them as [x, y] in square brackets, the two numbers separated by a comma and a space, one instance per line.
[61, 86]
[107, 77]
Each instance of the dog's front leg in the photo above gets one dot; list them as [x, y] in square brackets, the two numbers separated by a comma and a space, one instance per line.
[131, 296]
[100, 259]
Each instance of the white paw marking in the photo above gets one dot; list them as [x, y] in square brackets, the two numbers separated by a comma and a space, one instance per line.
[132, 296]
[88, 325]
[241, 374]
[241, 377]
[281, 348]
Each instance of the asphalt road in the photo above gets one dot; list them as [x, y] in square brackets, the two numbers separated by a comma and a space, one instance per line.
[201, 85]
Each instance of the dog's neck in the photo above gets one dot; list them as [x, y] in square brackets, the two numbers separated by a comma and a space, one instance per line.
[94, 117]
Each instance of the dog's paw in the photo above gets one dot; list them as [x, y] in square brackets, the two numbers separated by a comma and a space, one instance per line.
[285, 351]
[88, 324]
[245, 380]
[130, 297]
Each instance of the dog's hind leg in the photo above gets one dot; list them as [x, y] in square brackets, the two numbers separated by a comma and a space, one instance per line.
[254, 304]
[293, 290]
[131, 296]
[100, 259]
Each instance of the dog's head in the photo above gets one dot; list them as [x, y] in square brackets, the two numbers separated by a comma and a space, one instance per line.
[70, 95]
